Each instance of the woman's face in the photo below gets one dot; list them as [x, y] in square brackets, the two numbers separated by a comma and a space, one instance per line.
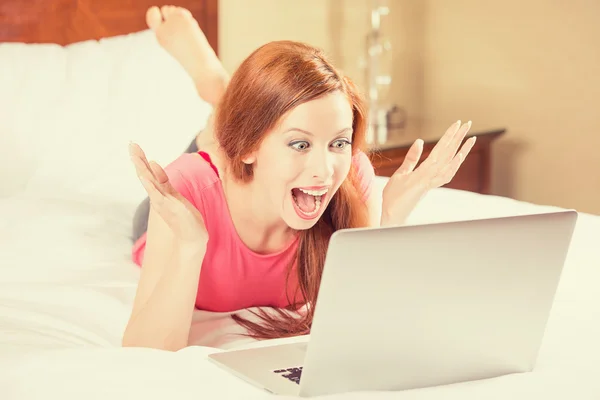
[304, 160]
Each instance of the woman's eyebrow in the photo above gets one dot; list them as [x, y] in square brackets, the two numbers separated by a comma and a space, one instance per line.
[312, 134]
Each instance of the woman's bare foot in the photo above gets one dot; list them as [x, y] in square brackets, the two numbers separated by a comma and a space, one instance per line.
[180, 35]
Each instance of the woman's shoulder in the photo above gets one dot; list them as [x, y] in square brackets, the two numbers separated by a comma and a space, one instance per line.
[195, 177]
[362, 161]
[195, 169]
[364, 171]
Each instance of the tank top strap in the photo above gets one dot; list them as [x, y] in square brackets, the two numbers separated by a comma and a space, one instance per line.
[209, 161]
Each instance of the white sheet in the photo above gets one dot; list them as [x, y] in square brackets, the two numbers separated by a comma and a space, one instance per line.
[67, 286]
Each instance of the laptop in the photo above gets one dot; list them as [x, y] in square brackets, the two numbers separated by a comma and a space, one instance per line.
[418, 306]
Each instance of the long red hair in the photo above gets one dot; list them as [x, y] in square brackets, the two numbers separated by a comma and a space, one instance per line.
[273, 80]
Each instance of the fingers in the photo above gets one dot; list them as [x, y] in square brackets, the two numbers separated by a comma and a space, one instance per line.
[159, 174]
[157, 198]
[444, 140]
[142, 167]
[153, 176]
[447, 146]
[411, 159]
[138, 157]
[162, 180]
[448, 173]
[455, 142]
[165, 205]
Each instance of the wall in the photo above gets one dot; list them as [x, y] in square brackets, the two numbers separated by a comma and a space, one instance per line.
[336, 26]
[531, 67]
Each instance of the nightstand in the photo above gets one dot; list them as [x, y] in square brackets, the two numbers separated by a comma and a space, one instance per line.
[473, 175]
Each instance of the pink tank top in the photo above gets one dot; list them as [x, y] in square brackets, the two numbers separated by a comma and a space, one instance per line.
[233, 277]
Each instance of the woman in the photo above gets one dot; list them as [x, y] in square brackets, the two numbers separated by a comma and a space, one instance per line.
[245, 222]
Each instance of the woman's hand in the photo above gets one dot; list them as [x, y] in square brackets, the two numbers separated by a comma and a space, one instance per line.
[179, 214]
[408, 185]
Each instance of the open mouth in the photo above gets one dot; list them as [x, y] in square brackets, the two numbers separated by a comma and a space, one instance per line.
[308, 202]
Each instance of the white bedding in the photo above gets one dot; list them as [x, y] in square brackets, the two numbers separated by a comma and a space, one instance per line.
[67, 285]
[66, 280]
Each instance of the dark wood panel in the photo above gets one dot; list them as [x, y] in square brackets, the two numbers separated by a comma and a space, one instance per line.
[68, 21]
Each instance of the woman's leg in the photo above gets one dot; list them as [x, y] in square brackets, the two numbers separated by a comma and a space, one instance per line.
[180, 35]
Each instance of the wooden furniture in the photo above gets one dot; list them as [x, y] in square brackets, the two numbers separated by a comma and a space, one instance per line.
[68, 21]
[473, 175]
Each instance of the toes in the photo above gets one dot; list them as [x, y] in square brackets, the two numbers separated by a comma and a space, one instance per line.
[184, 11]
[153, 17]
[167, 11]
[171, 11]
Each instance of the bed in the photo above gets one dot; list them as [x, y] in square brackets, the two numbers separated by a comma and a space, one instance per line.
[78, 81]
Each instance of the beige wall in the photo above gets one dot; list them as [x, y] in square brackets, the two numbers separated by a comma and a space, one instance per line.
[531, 66]
[336, 26]
[528, 66]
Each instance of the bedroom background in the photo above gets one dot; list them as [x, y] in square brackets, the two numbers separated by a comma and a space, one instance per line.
[528, 67]
[68, 191]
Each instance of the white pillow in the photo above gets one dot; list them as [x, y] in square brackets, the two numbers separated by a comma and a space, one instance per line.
[68, 113]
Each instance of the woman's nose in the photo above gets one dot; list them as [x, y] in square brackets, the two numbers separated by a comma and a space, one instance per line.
[323, 167]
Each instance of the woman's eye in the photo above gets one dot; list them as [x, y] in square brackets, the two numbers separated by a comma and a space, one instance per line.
[301, 146]
[341, 144]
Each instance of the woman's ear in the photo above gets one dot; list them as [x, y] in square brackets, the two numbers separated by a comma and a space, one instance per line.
[249, 159]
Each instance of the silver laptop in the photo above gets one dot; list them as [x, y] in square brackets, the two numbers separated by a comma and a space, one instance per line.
[417, 306]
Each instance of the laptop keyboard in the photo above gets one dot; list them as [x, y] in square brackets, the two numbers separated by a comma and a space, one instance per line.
[292, 374]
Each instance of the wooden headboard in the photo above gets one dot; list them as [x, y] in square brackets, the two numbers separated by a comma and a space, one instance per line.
[68, 21]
